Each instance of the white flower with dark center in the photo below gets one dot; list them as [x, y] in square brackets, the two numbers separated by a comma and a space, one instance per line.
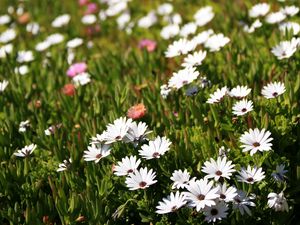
[290, 26]
[89, 19]
[5, 50]
[65, 165]
[3, 85]
[180, 178]
[280, 172]
[137, 133]
[256, 140]
[25, 56]
[127, 166]
[180, 47]
[183, 77]
[26, 151]
[164, 91]
[217, 96]
[169, 31]
[156, 148]
[215, 212]
[82, 79]
[242, 107]
[23, 126]
[277, 202]
[74, 43]
[242, 203]
[275, 17]
[33, 28]
[285, 49]
[260, 9]
[140, 179]
[116, 131]
[202, 37]
[218, 169]
[171, 204]
[239, 92]
[225, 193]
[201, 193]
[187, 29]
[290, 10]
[273, 90]
[96, 152]
[204, 15]
[215, 42]
[54, 39]
[251, 175]
[61, 20]
[8, 35]
[194, 59]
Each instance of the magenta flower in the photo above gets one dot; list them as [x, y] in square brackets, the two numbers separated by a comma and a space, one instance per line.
[91, 8]
[76, 68]
[148, 44]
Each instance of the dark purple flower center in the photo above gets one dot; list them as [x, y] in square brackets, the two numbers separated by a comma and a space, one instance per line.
[155, 155]
[130, 171]
[214, 212]
[275, 94]
[142, 184]
[201, 197]
[98, 156]
[244, 110]
[256, 144]
[250, 179]
[218, 173]
[222, 196]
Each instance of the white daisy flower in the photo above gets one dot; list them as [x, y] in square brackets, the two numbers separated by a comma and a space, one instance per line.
[278, 202]
[171, 204]
[180, 47]
[187, 29]
[8, 35]
[194, 59]
[65, 165]
[5, 50]
[272, 90]
[253, 26]
[290, 10]
[285, 49]
[215, 42]
[239, 92]
[201, 193]
[74, 43]
[290, 26]
[180, 178]
[280, 172]
[26, 151]
[22, 70]
[61, 20]
[96, 152]
[217, 96]
[42, 46]
[54, 39]
[3, 85]
[156, 148]
[4, 19]
[116, 131]
[25, 56]
[256, 140]
[202, 37]
[169, 31]
[183, 77]
[23, 126]
[225, 193]
[82, 79]
[215, 212]
[219, 169]
[147, 21]
[250, 175]
[89, 19]
[137, 133]
[164, 91]
[275, 17]
[260, 9]
[33, 28]
[127, 166]
[141, 179]
[242, 203]
[165, 9]
[204, 15]
[242, 107]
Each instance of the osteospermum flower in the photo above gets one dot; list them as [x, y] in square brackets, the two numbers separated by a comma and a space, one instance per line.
[260, 9]
[76, 69]
[180, 47]
[251, 175]
[136, 111]
[242, 107]
[82, 79]
[204, 15]
[239, 92]
[225, 193]
[256, 140]
[285, 49]
[275, 17]
[5, 50]
[290, 26]
[183, 77]
[277, 202]
[194, 59]
[171, 204]
[140, 179]
[215, 42]
[201, 193]
[127, 166]
[215, 212]
[202, 37]
[290, 10]
[279, 173]
[217, 96]
[137, 133]
[26, 151]
[65, 165]
[61, 20]
[25, 56]
[23, 126]
[272, 90]
[3, 85]
[242, 202]
[218, 169]
[96, 152]
[155, 148]
[116, 131]
[180, 178]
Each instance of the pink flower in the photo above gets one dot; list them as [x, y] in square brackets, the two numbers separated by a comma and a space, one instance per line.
[136, 111]
[83, 2]
[91, 8]
[148, 44]
[76, 68]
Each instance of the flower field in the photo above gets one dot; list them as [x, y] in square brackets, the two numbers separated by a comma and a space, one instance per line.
[149, 112]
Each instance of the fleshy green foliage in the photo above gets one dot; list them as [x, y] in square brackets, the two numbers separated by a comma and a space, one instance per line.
[32, 192]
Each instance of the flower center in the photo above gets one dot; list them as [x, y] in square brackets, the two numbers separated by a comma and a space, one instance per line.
[237, 200]
[174, 208]
[142, 184]
[256, 144]
[130, 171]
[118, 137]
[214, 212]
[244, 110]
[250, 179]
[201, 197]
[98, 156]
[218, 173]
[222, 196]
[184, 82]
[275, 94]
[155, 155]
